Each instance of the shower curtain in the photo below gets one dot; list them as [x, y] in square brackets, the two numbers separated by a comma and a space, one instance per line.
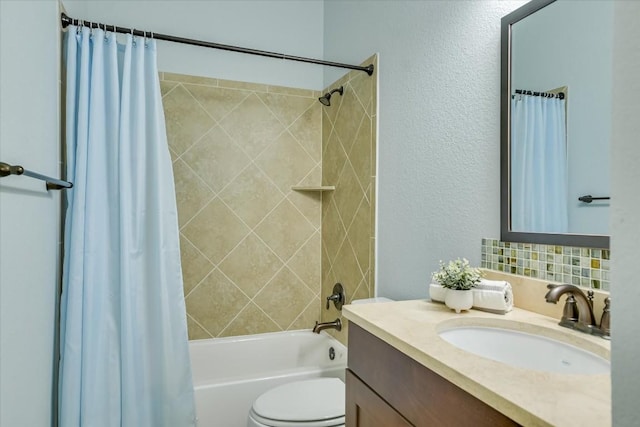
[539, 181]
[124, 357]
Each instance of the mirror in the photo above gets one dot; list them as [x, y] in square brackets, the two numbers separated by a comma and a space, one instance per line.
[555, 148]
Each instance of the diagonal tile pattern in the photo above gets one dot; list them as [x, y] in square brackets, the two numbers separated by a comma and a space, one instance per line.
[250, 246]
[348, 213]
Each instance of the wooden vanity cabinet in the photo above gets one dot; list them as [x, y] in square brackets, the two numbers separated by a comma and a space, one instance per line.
[386, 388]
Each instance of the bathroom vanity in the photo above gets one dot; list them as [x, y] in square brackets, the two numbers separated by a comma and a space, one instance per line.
[402, 373]
[416, 395]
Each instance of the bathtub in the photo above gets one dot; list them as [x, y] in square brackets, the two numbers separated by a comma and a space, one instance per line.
[230, 373]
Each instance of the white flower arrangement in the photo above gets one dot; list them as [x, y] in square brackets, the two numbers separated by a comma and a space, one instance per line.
[457, 275]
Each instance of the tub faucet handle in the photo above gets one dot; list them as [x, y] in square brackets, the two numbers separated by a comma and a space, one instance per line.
[338, 297]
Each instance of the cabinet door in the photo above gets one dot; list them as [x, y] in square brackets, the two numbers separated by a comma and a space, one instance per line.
[367, 409]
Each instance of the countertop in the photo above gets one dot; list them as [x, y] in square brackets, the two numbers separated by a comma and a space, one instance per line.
[531, 398]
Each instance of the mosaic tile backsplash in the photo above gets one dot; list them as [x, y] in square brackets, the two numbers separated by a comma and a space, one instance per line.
[586, 267]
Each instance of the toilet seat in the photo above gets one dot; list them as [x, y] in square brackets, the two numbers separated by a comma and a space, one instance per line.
[317, 402]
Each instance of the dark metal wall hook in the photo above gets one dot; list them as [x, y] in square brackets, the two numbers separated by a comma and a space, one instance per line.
[589, 198]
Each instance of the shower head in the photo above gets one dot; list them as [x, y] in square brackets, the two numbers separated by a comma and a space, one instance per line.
[326, 99]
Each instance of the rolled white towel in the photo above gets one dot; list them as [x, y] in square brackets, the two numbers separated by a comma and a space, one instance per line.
[493, 285]
[493, 295]
[437, 292]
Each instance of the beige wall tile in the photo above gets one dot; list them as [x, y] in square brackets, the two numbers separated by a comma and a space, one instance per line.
[347, 127]
[359, 234]
[215, 302]
[255, 87]
[195, 331]
[192, 194]
[285, 230]
[309, 204]
[348, 194]
[293, 91]
[166, 87]
[306, 263]
[286, 108]
[251, 320]
[285, 162]
[185, 119]
[252, 125]
[195, 266]
[251, 195]
[361, 84]
[251, 265]
[184, 78]
[333, 160]
[333, 232]
[349, 118]
[216, 101]
[216, 159]
[306, 130]
[284, 298]
[346, 269]
[360, 155]
[217, 129]
[307, 319]
[215, 231]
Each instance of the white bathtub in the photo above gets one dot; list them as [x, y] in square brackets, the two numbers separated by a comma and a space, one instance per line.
[230, 373]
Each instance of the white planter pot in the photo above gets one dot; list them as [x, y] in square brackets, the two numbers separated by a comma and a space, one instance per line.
[458, 300]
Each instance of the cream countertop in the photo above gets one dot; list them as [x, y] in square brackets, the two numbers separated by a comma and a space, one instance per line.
[531, 398]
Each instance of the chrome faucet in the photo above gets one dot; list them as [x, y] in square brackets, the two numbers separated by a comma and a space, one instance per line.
[336, 324]
[578, 302]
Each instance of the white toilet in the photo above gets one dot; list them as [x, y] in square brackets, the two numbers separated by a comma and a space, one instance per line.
[318, 402]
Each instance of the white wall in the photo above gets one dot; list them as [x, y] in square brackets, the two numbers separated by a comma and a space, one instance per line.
[439, 127]
[558, 46]
[289, 27]
[625, 221]
[29, 215]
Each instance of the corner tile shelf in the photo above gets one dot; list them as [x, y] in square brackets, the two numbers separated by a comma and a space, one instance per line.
[313, 188]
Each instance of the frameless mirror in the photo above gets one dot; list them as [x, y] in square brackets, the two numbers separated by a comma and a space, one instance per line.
[556, 122]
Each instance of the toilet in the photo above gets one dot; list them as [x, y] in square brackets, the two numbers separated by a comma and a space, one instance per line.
[318, 402]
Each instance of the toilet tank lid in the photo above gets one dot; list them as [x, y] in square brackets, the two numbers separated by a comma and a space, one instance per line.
[308, 400]
[370, 300]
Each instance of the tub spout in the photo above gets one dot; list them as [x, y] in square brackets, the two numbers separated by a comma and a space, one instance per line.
[336, 324]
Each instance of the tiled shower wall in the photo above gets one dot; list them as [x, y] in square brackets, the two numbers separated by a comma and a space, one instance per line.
[348, 213]
[250, 245]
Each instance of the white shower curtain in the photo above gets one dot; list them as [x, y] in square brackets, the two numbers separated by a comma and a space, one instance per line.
[539, 180]
[124, 349]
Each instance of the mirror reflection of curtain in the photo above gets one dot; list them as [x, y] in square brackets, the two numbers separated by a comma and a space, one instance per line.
[539, 165]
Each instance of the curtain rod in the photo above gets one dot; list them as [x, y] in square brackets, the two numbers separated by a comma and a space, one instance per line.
[66, 21]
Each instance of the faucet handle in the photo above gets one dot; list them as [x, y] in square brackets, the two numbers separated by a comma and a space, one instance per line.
[570, 311]
[605, 320]
[338, 297]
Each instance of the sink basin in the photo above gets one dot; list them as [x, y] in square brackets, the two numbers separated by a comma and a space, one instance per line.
[525, 350]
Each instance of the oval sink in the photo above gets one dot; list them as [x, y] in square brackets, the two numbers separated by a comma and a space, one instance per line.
[525, 350]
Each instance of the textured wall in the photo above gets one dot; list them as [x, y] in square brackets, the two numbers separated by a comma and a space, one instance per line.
[29, 214]
[439, 127]
[250, 245]
[348, 213]
[625, 217]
